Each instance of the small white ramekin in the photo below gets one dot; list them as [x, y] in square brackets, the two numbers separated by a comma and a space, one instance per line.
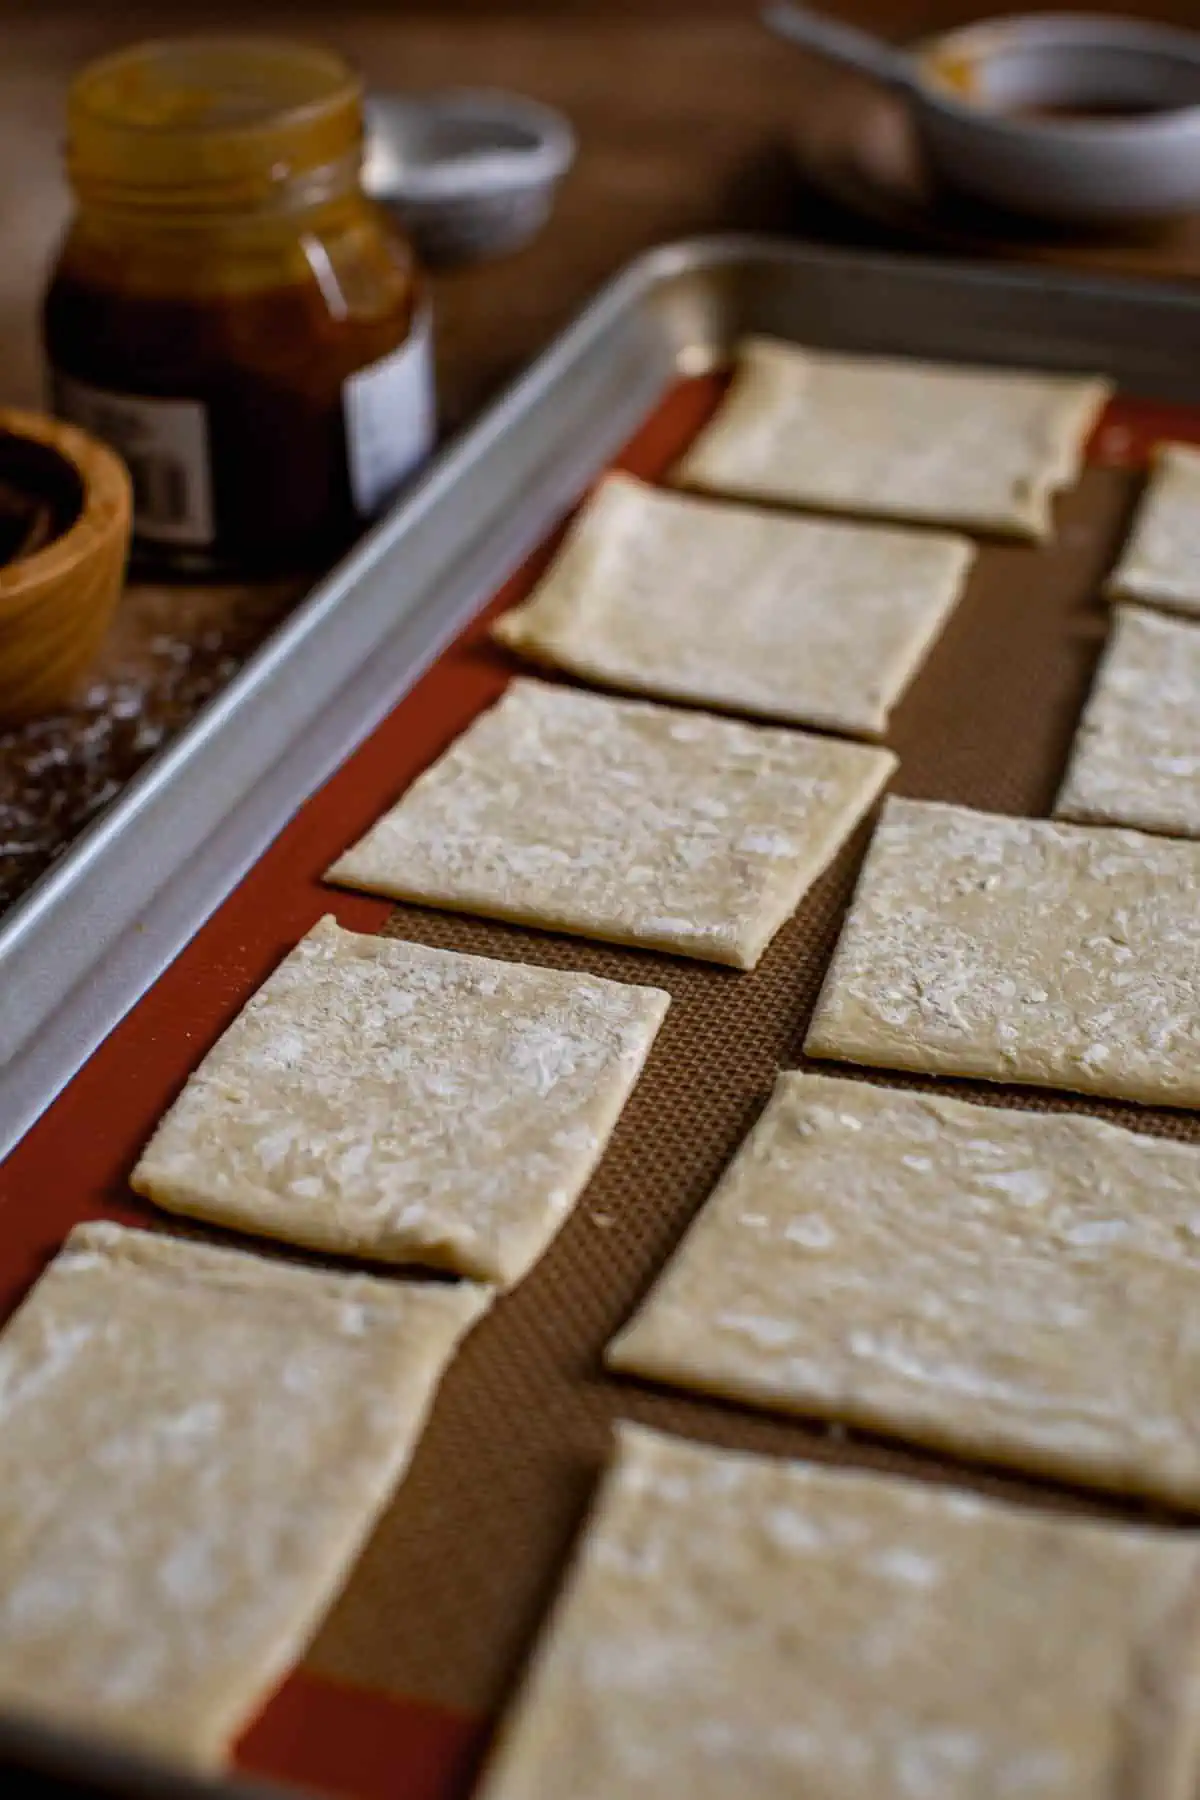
[975, 103]
[469, 173]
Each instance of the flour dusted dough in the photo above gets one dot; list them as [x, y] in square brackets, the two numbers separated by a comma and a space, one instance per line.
[1136, 760]
[1021, 950]
[982, 448]
[1006, 1285]
[813, 621]
[194, 1443]
[387, 1100]
[739, 1626]
[619, 820]
[1161, 562]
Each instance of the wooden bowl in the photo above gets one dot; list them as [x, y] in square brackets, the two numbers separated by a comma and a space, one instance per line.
[56, 602]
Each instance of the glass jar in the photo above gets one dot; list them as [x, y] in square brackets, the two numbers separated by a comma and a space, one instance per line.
[228, 308]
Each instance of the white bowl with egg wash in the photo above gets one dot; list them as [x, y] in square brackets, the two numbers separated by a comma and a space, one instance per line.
[1067, 117]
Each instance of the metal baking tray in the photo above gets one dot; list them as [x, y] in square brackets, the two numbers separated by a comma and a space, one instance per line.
[89, 940]
[92, 935]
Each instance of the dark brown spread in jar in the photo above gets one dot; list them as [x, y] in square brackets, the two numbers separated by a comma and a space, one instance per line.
[228, 308]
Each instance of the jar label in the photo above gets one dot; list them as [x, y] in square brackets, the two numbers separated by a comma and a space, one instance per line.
[164, 443]
[391, 418]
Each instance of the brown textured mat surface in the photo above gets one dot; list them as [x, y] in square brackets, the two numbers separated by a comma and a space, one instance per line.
[454, 1584]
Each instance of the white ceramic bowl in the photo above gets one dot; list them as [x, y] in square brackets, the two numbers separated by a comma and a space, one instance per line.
[978, 94]
[468, 172]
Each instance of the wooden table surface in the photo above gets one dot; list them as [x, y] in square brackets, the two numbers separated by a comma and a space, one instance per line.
[683, 109]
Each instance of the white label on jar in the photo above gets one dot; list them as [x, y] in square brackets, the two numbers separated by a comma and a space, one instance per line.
[165, 445]
[391, 418]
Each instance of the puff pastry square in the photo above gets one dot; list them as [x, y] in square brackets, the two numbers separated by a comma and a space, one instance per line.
[986, 449]
[619, 820]
[1136, 760]
[736, 1625]
[195, 1444]
[1020, 950]
[1013, 1286]
[386, 1100]
[1161, 561]
[811, 621]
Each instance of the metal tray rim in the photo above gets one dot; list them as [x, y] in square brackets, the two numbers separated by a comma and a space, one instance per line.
[61, 1759]
[651, 268]
[68, 969]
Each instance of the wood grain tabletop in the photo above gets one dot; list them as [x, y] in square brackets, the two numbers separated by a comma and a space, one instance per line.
[684, 110]
[689, 117]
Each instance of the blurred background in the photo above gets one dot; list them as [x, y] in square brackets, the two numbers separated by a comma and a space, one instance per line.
[690, 118]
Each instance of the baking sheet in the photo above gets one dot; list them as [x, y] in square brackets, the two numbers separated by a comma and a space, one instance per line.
[399, 1685]
[102, 924]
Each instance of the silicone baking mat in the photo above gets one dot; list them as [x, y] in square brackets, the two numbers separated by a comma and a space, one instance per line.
[401, 1684]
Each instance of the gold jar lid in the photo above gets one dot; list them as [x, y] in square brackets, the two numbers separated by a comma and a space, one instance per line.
[220, 122]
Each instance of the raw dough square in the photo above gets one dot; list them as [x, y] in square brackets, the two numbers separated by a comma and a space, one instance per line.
[1161, 561]
[987, 449]
[385, 1100]
[195, 1445]
[1136, 760]
[1006, 1285]
[1021, 950]
[815, 622]
[619, 820]
[736, 1626]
